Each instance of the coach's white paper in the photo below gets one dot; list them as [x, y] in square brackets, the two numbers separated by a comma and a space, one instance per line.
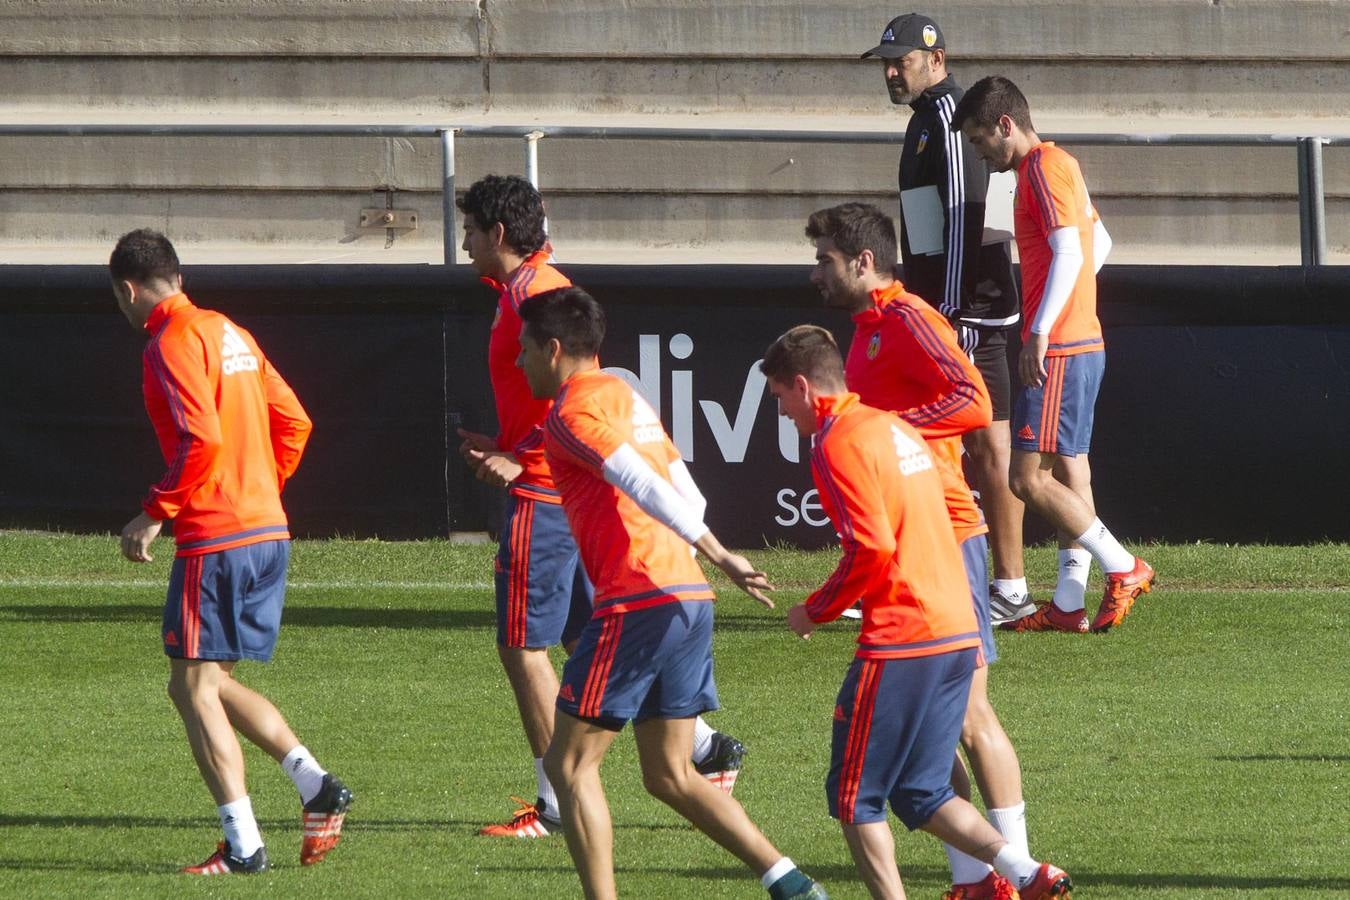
[925, 219]
[998, 208]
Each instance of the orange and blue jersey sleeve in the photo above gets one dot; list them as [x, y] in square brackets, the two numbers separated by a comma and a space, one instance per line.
[961, 401]
[852, 499]
[287, 421]
[581, 436]
[1054, 188]
[181, 404]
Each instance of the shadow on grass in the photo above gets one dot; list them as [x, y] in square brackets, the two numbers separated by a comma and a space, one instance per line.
[354, 825]
[828, 873]
[1287, 757]
[298, 616]
[85, 865]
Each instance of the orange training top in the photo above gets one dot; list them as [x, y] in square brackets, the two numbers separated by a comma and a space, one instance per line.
[1051, 194]
[518, 412]
[633, 560]
[881, 489]
[904, 358]
[231, 430]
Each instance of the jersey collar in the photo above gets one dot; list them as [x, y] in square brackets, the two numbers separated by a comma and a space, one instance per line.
[881, 298]
[533, 261]
[834, 405]
[159, 316]
[929, 98]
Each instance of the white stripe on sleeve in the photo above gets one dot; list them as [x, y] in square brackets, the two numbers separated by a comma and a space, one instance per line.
[628, 471]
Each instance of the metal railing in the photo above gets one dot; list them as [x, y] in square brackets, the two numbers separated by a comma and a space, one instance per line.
[1311, 191]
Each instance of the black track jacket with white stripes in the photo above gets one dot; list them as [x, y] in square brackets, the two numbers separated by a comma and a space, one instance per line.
[971, 284]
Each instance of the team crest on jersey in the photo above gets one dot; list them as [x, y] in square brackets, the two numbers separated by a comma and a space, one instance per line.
[923, 141]
[929, 35]
[874, 345]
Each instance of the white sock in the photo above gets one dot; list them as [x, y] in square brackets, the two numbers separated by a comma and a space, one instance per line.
[241, 829]
[548, 799]
[776, 871]
[703, 733]
[965, 869]
[1015, 865]
[1011, 587]
[1011, 822]
[304, 771]
[1104, 548]
[1074, 566]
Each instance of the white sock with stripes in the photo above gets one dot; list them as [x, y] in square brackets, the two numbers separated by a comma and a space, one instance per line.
[1011, 822]
[548, 798]
[703, 735]
[966, 869]
[1073, 578]
[304, 771]
[1102, 544]
[241, 829]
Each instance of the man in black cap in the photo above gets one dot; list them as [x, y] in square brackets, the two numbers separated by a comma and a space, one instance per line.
[970, 282]
[972, 285]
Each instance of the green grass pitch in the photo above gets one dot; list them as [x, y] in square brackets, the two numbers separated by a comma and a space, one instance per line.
[1201, 750]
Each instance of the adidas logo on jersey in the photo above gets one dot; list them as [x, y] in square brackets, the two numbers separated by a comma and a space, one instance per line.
[646, 423]
[235, 353]
[913, 457]
[1026, 433]
[565, 692]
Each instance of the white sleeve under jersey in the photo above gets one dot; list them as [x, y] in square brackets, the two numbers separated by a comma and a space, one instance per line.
[676, 509]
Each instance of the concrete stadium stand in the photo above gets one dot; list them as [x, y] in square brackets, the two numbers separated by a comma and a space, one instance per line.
[1242, 66]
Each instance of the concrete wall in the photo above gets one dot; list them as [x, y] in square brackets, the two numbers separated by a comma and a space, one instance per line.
[1160, 65]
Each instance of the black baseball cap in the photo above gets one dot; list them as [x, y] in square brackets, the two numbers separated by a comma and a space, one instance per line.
[911, 31]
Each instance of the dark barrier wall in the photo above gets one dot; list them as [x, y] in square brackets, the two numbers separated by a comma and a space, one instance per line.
[1224, 415]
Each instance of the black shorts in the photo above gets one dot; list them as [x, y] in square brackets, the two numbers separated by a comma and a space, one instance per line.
[991, 358]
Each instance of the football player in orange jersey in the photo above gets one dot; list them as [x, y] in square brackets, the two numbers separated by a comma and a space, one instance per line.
[646, 654]
[1061, 244]
[232, 433]
[900, 710]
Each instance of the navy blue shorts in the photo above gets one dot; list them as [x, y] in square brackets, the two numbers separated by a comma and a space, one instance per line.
[1057, 416]
[652, 663]
[974, 552]
[226, 605]
[543, 594]
[896, 725]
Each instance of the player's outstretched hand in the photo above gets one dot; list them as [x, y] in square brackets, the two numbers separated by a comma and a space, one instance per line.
[747, 577]
[800, 622]
[136, 538]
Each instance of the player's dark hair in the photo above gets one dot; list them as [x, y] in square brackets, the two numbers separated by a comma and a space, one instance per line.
[805, 350]
[142, 256]
[855, 227]
[988, 100]
[568, 315]
[513, 203]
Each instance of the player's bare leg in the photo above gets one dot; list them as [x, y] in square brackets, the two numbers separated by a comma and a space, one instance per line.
[535, 684]
[1032, 478]
[873, 849]
[194, 687]
[990, 450]
[993, 760]
[255, 717]
[663, 750]
[573, 765]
